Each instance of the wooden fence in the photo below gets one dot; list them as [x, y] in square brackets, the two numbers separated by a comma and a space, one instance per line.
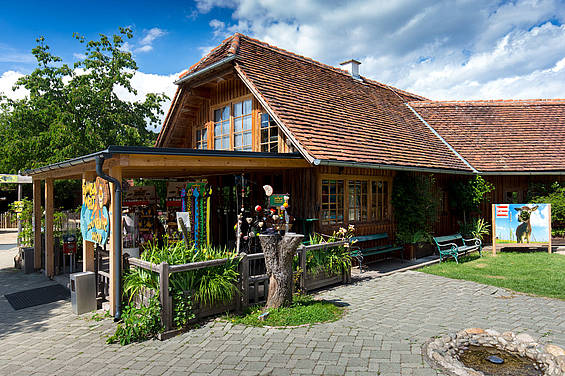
[8, 220]
[253, 288]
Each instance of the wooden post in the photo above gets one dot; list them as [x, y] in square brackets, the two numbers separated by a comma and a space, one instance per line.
[166, 303]
[493, 230]
[549, 246]
[37, 214]
[115, 172]
[49, 251]
[87, 247]
[244, 280]
[302, 260]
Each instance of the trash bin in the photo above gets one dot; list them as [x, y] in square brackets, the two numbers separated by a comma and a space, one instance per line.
[28, 260]
[83, 292]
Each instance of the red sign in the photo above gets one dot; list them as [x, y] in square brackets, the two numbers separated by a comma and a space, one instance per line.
[69, 248]
[502, 211]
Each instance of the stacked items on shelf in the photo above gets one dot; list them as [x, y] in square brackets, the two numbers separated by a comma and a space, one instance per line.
[141, 222]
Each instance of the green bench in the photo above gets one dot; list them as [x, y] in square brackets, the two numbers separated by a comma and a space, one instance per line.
[359, 252]
[454, 245]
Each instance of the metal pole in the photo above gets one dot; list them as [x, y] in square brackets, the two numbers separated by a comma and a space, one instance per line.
[19, 216]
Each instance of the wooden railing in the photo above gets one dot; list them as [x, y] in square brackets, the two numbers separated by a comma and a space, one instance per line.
[8, 220]
[253, 288]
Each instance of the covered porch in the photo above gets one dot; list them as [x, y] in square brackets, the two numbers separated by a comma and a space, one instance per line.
[284, 171]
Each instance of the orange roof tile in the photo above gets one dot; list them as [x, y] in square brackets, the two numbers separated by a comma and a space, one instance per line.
[502, 135]
[332, 115]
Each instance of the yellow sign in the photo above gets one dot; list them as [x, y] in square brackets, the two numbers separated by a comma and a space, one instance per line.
[94, 218]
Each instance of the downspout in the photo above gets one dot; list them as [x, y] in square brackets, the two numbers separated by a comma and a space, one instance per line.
[116, 231]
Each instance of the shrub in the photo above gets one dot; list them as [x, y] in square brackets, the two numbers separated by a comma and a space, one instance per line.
[207, 286]
[331, 260]
[555, 195]
[415, 204]
[138, 323]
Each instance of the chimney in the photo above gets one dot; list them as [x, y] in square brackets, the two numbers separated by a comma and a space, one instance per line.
[352, 66]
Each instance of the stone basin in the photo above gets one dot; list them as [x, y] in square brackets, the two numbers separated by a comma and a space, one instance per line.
[464, 354]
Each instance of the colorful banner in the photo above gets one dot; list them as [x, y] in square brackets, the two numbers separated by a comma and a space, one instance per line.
[94, 217]
[522, 223]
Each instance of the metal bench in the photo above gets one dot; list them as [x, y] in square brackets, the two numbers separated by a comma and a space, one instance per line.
[359, 252]
[454, 245]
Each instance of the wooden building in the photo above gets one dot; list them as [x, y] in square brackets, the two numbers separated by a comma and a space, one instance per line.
[331, 138]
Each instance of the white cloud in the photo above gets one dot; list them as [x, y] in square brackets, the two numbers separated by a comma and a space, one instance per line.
[11, 55]
[145, 48]
[7, 81]
[151, 35]
[144, 83]
[79, 56]
[145, 44]
[437, 48]
[539, 218]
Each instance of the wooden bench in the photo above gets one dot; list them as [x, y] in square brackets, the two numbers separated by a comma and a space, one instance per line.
[359, 252]
[454, 245]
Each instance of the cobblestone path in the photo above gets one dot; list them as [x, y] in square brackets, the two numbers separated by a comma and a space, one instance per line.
[387, 321]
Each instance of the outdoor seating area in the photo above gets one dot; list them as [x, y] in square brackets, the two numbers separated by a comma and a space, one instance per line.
[360, 249]
[455, 245]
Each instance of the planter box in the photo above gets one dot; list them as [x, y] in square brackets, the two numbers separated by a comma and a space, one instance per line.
[323, 278]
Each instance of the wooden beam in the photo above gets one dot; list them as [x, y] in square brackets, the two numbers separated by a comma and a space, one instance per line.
[49, 251]
[115, 172]
[37, 214]
[201, 92]
[205, 162]
[87, 247]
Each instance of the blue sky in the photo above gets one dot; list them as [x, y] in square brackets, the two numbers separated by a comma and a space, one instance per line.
[441, 49]
[185, 30]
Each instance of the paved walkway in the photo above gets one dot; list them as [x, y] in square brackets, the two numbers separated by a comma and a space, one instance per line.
[387, 321]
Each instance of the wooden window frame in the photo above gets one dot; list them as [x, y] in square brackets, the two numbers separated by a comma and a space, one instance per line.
[198, 141]
[242, 117]
[336, 182]
[231, 103]
[269, 129]
[369, 205]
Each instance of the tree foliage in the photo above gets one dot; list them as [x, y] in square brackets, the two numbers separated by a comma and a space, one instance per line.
[555, 195]
[415, 206]
[75, 111]
[467, 195]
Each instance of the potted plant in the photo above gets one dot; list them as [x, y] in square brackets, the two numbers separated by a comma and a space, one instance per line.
[412, 239]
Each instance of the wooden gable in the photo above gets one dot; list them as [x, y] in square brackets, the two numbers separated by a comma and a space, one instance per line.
[193, 109]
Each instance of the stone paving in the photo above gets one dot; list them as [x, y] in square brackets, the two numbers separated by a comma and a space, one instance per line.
[387, 321]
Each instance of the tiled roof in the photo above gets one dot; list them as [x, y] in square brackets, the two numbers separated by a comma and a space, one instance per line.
[505, 135]
[333, 116]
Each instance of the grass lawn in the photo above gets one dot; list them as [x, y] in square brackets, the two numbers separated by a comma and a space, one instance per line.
[304, 310]
[538, 273]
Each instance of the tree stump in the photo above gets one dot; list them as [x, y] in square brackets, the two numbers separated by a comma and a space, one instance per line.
[279, 252]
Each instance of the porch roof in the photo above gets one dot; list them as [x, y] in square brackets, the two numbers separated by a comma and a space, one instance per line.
[152, 162]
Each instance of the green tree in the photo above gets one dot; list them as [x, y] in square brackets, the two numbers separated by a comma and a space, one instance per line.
[75, 111]
[415, 206]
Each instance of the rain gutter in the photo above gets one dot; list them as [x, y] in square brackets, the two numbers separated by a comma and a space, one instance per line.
[205, 70]
[377, 166]
[116, 232]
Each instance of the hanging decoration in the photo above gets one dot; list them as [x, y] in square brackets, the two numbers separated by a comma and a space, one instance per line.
[94, 217]
[195, 205]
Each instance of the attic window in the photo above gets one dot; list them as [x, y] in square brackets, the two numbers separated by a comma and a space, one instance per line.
[222, 128]
[269, 134]
[202, 138]
[242, 139]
